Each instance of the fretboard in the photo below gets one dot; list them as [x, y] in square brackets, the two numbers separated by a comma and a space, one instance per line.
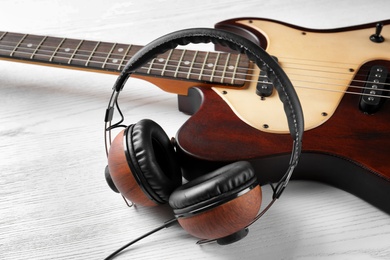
[212, 67]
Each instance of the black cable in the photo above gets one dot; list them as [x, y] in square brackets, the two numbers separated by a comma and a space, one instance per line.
[165, 225]
[117, 124]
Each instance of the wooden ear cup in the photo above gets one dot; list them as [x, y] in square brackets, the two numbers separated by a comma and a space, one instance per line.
[142, 164]
[122, 176]
[218, 204]
[109, 181]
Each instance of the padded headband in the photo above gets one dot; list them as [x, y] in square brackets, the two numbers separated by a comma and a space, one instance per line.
[235, 42]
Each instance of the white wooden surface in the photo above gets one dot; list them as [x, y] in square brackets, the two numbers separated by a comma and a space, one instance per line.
[54, 202]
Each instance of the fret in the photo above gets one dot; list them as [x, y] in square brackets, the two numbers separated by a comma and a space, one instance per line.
[150, 66]
[6, 44]
[91, 55]
[230, 66]
[210, 67]
[120, 55]
[75, 51]
[56, 50]
[29, 47]
[156, 66]
[3, 49]
[64, 52]
[45, 48]
[235, 69]
[184, 65]
[203, 66]
[100, 57]
[192, 65]
[108, 56]
[225, 68]
[179, 63]
[166, 62]
[169, 64]
[124, 57]
[242, 70]
[2, 36]
[214, 67]
[17, 45]
[13, 45]
[38, 46]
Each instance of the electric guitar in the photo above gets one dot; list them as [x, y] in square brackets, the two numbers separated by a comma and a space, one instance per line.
[341, 77]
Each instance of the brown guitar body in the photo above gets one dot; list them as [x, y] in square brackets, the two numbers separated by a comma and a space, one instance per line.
[211, 139]
[350, 151]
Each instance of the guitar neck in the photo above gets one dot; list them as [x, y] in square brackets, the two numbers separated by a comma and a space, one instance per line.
[178, 64]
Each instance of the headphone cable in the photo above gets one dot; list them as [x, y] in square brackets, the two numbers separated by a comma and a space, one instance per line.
[165, 225]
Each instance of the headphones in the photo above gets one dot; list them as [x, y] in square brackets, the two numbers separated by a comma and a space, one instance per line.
[143, 167]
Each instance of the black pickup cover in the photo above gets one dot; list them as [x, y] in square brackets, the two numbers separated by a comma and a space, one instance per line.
[373, 94]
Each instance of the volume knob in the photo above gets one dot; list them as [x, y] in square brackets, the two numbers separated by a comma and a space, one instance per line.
[377, 37]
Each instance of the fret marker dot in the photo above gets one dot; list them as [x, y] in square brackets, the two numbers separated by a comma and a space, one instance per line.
[210, 65]
[115, 61]
[120, 50]
[67, 49]
[231, 67]
[29, 45]
[186, 62]
[160, 59]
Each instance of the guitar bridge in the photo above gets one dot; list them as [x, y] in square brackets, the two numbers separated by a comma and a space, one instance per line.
[373, 94]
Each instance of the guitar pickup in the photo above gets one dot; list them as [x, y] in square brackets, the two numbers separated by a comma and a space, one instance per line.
[374, 90]
[264, 87]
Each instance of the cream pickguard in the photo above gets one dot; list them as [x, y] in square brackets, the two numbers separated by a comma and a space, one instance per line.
[320, 64]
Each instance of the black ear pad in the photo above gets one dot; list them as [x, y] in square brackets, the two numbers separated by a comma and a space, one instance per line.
[152, 159]
[213, 188]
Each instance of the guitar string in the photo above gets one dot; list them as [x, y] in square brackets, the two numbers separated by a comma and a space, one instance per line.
[119, 56]
[312, 60]
[39, 47]
[312, 82]
[106, 54]
[197, 68]
[303, 87]
[93, 60]
[216, 76]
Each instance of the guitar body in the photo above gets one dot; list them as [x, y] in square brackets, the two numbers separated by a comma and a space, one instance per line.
[346, 141]
[350, 149]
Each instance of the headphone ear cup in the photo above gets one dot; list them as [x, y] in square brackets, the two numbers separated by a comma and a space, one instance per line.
[109, 181]
[143, 164]
[220, 203]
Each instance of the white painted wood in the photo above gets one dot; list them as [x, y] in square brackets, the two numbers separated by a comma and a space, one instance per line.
[54, 202]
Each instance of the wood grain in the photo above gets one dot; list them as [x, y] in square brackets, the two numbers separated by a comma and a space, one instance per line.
[224, 219]
[54, 202]
[123, 177]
